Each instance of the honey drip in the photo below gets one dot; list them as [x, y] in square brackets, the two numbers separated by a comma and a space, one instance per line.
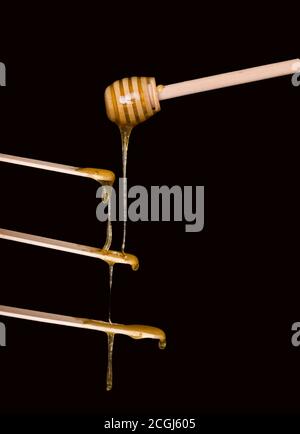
[125, 135]
[125, 131]
[111, 273]
[106, 179]
[107, 199]
[109, 372]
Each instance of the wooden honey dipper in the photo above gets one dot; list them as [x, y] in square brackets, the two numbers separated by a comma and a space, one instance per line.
[131, 101]
[134, 331]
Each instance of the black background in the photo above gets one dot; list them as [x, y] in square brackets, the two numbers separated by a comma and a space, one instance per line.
[226, 296]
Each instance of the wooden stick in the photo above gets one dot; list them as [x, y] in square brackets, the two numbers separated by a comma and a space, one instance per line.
[109, 256]
[134, 331]
[229, 79]
[100, 175]
[131, 101]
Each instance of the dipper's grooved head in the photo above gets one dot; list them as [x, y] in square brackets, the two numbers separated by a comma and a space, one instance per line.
[131, 101]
